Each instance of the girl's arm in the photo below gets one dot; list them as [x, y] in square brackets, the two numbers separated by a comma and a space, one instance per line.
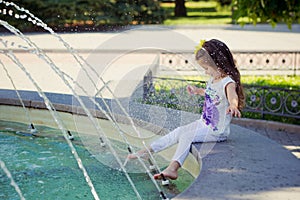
[233, 100]
[194, 90]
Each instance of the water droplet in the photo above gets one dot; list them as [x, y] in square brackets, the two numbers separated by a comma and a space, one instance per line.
[22, 47]
[23, 16]
[10, 12]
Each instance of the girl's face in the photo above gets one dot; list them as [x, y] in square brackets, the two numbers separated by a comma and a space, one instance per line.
[208, 69]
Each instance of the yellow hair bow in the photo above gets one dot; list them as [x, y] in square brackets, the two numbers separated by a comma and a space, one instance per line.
[199, 46]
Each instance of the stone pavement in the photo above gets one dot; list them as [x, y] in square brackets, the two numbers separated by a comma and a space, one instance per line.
[247, 166]
[289, 140]
[287, 135]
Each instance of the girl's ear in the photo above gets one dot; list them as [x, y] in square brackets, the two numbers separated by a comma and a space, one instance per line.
[221, 71]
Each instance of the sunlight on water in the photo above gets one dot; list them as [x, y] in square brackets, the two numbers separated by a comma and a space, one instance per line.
[44, 166]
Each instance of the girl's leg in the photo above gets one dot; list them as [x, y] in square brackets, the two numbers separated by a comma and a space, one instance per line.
[184, 143]
[170, 172]
[184, 136]
[173, 137]
[194, 132]
[161, 143]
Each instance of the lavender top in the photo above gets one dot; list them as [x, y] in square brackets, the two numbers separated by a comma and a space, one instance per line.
[215, 105]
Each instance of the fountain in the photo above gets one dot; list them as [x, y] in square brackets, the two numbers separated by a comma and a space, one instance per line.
[107, 141]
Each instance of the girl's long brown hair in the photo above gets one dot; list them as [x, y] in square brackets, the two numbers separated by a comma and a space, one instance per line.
[222, 57]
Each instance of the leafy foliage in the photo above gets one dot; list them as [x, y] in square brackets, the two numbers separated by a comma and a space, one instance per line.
[198, 12]
[224, 2]
[66, 15]
[271, 11]
[138, 12]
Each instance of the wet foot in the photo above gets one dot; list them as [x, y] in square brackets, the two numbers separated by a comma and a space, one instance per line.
[168, 174]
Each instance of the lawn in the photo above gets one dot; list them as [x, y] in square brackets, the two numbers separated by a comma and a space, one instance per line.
[201, 12]
[287, 82]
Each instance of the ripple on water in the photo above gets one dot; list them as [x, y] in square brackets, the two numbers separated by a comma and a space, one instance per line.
[47, 167]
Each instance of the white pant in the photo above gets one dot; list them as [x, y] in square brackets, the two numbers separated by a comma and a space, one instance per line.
[185, 135]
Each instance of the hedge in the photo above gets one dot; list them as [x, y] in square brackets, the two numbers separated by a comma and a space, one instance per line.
[87, 15]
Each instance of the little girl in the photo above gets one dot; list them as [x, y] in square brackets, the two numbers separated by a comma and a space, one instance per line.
[224, 99]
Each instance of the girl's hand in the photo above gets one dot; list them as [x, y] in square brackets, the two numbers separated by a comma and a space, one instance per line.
[190, 89]
[233, 111]
[233, 100]
[194, 90]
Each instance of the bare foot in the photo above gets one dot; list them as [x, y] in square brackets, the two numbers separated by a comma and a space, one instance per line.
[170, 172]
[166, 174]
[141, 153]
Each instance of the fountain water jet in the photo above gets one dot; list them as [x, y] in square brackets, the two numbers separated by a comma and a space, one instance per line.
[81, 62]
[12, 181]
[31, 126]
[54, 114]
[61, 74]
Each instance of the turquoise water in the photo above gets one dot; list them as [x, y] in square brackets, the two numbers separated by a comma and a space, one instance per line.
[44, 168]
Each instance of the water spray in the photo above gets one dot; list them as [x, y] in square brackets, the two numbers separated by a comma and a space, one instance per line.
[40, 23]
[31, 127]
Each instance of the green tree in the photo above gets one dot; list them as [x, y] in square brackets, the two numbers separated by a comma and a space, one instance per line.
[138, 12]
[180, 9]
[85, 15]
[267, 11]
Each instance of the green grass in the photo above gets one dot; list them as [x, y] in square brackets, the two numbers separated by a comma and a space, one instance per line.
[287, 82]
[202, 12]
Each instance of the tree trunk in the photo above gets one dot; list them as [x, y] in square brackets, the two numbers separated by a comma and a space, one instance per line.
[180, 9]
